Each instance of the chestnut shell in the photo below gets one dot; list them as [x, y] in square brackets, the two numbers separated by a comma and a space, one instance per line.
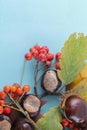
[31, 104]
[76, 110]
[5, 122]
[21, 124]
[50, 81]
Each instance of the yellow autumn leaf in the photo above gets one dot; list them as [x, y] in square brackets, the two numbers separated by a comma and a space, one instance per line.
[81, 76]
[81, 89]
[84, 72]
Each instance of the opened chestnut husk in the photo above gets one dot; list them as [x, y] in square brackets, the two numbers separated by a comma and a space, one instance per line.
[31, 104]
[75, 109]
[5, 122]
[50, 81]
[21, 124]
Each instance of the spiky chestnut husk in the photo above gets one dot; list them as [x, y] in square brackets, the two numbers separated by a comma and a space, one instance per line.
[21, 124]
[50, 81]
[31, 104]
[5, 122]
[75, 110]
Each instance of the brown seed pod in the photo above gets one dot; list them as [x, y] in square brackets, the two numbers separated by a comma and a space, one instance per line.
[32, 104]
[75, 110]
[5, 122]
[50, 81]
[21, 124]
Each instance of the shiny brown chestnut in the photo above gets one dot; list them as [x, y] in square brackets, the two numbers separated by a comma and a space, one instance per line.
[5, 122]
[22, 124]
[76, 110]
[50, 81]
[31, 104]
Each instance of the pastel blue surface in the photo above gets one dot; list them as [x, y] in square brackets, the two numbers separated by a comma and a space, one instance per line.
[24, 23]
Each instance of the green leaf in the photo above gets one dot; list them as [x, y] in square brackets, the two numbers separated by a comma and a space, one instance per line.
[51, 120]
[74, 55]
[81, 89]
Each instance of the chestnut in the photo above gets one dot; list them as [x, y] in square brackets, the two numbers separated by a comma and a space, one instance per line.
[76, 110]
[50, 81]
[31, 104]
[5, 122]
[21, 124]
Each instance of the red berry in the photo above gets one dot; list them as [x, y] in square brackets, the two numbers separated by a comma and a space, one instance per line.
[7, 88]
[45, 48]
[13, 89]
[50, 56]
[19, 91]
[58, 55]
[16, 85]
[2, 95]
[2, 102]
[26, 88]
[32, 50]
[37, 47]
[64, 122]
[47, 63]
[1, 110]
[70, 125]
[7, 110]
[42, 57]
[35, 54]
[43, 51]
[28, 56]
[57, 65]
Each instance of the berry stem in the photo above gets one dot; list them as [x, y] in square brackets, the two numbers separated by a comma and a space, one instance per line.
[42, 67]
[21, 97]
[35, 78]
[5, 105]
[22, 74]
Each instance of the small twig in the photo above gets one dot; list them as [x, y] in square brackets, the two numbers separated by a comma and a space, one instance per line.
[42, 67]
[21, 97]
[22, 74]
[39, 79]
[5, 105]
[35, 78]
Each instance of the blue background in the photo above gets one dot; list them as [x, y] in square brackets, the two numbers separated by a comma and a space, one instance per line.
[24, 23]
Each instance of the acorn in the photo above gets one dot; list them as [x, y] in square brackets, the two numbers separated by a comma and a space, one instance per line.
[31, 104]
[75, 109]
[5, 122]
[50, 81]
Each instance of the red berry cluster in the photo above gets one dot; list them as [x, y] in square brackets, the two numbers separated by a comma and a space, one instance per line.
[4, 110]
[15, 91]
[68, 124]
[41, 54]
